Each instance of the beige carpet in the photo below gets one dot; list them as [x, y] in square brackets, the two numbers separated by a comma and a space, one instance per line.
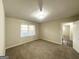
[41, 49]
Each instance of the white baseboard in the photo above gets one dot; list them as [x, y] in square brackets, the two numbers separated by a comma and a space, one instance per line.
[53, 41]
[19, 44]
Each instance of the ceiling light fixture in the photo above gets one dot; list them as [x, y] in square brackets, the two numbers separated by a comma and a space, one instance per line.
[41, 13]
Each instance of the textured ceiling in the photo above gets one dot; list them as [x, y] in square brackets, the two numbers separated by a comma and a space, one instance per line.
[56, 8]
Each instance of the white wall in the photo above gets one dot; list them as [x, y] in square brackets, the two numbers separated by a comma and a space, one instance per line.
[2, 35]
[13, 32]
[52, 30]
[76, 36]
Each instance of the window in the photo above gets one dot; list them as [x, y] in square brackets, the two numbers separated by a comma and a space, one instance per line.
[27, 30]
[31, 30]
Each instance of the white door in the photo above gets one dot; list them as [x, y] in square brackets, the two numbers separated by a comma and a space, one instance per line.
[76, 36]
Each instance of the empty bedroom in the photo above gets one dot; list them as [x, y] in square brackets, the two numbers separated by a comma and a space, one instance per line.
[39, 29]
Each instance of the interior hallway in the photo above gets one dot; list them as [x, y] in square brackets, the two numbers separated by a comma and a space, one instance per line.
[40, 49]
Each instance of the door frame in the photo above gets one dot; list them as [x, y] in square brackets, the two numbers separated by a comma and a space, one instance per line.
[62, 30]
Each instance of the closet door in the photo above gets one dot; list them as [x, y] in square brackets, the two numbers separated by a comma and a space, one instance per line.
[76, 36]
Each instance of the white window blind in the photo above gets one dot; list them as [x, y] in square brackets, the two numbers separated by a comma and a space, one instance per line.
[27, 30]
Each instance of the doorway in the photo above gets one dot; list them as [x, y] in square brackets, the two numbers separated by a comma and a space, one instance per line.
[67, 39]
